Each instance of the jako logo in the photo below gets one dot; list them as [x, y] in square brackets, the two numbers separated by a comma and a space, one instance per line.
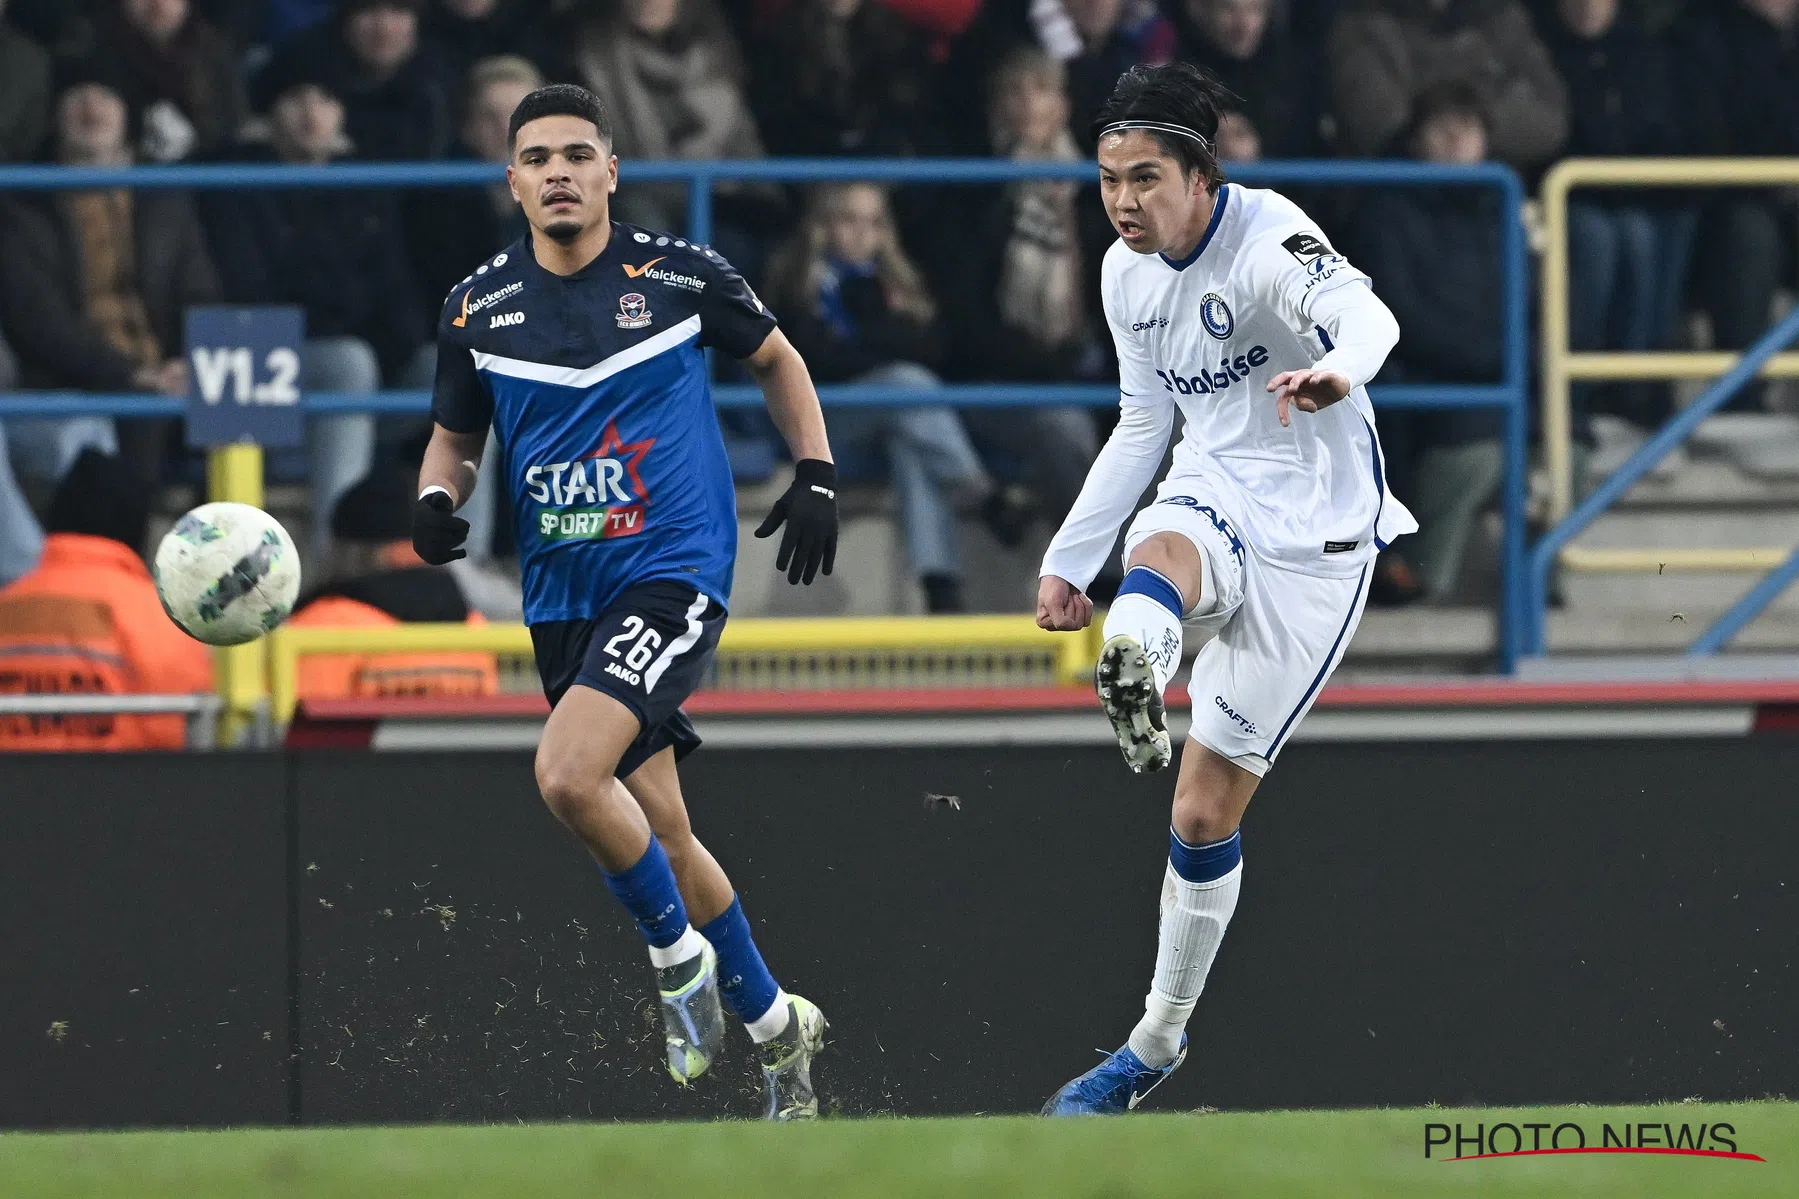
[630, 676]
[502, 319]
[1248, 725]
[1206, 383]
[470, 307]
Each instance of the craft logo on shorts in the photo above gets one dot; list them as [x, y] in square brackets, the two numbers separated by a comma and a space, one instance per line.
[633, 311]
[1215, 314]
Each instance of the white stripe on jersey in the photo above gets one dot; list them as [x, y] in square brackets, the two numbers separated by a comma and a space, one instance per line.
[586, 376]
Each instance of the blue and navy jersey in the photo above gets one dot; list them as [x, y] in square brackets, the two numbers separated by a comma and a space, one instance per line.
[596, 389]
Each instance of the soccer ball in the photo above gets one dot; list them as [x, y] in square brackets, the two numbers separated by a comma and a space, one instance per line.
[227, 573]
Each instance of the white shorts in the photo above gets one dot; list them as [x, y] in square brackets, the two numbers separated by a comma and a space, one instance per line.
[1272, 635]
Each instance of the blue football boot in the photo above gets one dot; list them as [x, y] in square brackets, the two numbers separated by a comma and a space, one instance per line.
[1112, 1088]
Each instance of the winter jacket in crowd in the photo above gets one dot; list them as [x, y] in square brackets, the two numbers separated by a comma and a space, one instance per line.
[24, 95]
[1743, 79]
[1384, 54]
[42, 287]
[339, 253]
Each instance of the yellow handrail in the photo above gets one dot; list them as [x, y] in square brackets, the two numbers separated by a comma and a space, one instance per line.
[1560, 365]
[1075, 652]
[1654, 561]
[234, 472]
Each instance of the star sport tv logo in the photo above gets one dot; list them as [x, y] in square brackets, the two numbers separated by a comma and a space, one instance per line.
[1525, 1138]
[633, 311]
[597, 497]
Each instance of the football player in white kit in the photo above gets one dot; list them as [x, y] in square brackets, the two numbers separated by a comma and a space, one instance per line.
[1229, 308]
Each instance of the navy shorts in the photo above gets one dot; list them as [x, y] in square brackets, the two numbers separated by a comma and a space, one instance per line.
[649, 650]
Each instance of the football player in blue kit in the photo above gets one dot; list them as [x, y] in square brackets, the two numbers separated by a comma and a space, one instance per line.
[582, 347]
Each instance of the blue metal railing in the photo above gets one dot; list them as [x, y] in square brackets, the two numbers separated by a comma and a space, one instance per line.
[1677, 430]
[1509, 395]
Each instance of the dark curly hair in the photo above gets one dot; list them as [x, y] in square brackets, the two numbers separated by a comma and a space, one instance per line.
[560, 100]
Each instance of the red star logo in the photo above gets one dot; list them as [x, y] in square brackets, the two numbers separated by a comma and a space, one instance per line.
[613, 446]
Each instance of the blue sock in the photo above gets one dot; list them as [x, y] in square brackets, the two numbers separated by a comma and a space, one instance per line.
[649, 893]
[1153, 584]
[743, 978]
[1203, 863]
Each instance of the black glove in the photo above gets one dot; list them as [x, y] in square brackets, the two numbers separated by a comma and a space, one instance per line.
[809, 509]
[437, 532]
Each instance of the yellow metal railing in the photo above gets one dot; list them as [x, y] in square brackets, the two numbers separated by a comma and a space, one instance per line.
[1562, 367]
[845, 651]
[234, 472]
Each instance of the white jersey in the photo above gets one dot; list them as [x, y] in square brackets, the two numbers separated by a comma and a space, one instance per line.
[1262, 293]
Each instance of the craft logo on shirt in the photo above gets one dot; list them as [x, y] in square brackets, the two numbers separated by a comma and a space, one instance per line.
[470, 307]
[597, 496]
[633, 311]
[1306, 247]
[1215, 314]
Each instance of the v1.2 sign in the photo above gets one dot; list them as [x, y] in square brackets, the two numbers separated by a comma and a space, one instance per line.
[243, 367]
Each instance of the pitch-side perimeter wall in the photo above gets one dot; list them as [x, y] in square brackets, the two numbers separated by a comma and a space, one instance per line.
[361, 937]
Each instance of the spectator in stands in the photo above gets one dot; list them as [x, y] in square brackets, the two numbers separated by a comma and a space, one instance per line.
[1746, 52]
[460, 33]
[844, 77]
[452, 229]
[340, 254]
[1009, 268]
[1628, 250]
[181, 75]
[378, 581]
[87, 620]
[24, 93]
[856, 307]
[1385, 54]
[1434, 255]
[670, 74]
[21, 539]
[368, 55]
[92, 290]
[282, 20]
[1112, 37]
[1243, 43]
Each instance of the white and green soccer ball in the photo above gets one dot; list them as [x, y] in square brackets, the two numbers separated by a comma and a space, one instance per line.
[227, 573]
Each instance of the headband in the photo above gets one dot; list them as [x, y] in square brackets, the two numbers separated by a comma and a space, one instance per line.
[1158, 127]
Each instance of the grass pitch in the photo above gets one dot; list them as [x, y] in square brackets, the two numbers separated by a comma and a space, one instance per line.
[1284, 1154]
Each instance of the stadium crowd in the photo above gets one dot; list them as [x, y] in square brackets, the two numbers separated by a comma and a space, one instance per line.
[906, 287]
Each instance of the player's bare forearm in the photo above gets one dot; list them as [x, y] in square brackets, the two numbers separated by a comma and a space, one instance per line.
[792, 400]
[452, 461]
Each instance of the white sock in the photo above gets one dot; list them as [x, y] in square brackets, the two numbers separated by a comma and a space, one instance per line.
[690, 946]
[1194, 916]
[773, 1022]
[1156, 628]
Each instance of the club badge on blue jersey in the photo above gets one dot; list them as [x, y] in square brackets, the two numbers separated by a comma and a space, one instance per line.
[1215, 314]
[633, 311]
